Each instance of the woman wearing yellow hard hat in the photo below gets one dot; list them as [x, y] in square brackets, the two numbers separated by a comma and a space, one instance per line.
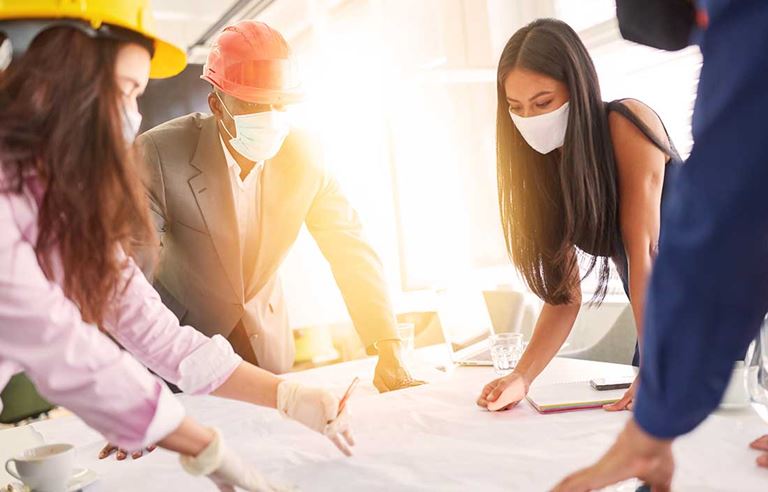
[123, 20]
[71, 206]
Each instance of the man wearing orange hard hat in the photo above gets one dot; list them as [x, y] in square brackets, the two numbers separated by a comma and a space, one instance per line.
[230, 192]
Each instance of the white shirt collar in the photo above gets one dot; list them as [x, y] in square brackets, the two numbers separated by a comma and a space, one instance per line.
[231, 162]
[234, 167]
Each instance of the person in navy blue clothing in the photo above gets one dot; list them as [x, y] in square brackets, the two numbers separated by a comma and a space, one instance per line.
[709, 289]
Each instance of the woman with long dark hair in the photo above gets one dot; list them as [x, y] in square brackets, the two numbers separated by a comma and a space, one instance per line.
[580, 182]
[71, 206]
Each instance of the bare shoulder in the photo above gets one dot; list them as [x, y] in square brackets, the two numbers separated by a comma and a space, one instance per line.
[624, 133]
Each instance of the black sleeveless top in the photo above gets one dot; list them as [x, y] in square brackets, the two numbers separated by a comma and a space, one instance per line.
[619, 257]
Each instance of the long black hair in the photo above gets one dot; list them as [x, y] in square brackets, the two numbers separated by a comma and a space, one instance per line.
[551, 203]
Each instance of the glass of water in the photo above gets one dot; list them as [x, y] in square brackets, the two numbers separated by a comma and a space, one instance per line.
[406, 334]
[756, 372]
[506, 350]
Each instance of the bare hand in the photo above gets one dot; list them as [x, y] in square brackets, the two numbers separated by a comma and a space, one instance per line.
[516, 388]
[761, 444]
[121, 454]
[635, 454]
[627, 401]
[391, 374]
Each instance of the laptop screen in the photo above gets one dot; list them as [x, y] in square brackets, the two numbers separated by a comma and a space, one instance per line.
[463, 316]
[429, 330]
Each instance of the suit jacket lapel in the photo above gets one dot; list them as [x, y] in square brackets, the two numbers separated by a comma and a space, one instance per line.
[213, 191]
[272, 233]
[256, 255]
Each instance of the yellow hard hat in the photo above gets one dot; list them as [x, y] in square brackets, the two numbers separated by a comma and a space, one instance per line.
[22, 20]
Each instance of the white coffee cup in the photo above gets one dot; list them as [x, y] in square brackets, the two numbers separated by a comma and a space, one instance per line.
[44, 468]
[736, 394]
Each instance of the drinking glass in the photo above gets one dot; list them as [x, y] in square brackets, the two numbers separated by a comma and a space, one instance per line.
[756, 372]
[406, 333]
[506, 350]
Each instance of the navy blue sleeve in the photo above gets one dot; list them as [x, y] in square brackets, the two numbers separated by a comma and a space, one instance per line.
[709, 288]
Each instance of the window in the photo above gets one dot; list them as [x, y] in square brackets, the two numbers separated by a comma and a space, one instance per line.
[404, 96]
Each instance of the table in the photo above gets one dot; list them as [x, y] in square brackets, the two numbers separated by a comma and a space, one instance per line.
[431, 437]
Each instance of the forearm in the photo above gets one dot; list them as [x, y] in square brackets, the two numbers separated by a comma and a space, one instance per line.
[145, 327]
[189, 439]
[355, 264]
[552, 329]
[639, 274]
[368, 304]
[250, 384]
[360, 277]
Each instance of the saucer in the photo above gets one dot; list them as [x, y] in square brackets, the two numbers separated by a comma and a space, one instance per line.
[735, 405]
[82, 477]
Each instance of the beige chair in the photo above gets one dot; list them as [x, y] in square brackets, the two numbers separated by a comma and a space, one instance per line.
[512, 311]
[617, 345]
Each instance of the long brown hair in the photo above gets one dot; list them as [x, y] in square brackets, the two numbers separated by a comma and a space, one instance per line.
[61, 122]
[551, 203]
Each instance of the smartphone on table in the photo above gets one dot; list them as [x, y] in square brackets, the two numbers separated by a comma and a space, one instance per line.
[605, 384]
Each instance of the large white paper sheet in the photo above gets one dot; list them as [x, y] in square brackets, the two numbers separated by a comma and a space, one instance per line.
[429, 438]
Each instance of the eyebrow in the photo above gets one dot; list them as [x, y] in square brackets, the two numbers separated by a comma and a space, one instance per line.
[532, 98]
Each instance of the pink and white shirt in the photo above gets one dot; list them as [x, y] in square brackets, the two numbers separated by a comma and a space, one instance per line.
[75, 365]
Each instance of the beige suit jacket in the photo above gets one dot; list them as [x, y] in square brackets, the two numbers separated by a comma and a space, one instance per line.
[200, 275]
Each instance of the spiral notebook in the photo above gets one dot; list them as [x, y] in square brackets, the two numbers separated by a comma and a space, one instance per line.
[565, 397]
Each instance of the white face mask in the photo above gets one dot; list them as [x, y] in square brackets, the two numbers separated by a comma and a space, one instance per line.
[131, 125]
[545, 132]
[259, 135]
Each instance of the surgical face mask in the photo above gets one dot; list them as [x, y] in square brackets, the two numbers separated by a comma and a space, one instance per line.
[259, 136]
[131, 125]
[6, 54]
[545, 132]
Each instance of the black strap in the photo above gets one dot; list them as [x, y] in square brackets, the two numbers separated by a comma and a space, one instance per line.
[667, 148]
[22, 32]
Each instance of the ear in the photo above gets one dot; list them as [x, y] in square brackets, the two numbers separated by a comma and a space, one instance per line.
[215, 105]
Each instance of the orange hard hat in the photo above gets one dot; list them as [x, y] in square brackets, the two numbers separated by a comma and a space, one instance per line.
[251, 61]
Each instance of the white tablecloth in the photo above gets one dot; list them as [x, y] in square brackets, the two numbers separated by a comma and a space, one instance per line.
[431, 437]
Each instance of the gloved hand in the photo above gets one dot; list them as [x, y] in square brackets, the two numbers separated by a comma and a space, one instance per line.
[317, 409]
[226, 469]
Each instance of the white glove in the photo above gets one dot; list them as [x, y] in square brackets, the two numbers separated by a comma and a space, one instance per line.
[226, 469]
[317, 409]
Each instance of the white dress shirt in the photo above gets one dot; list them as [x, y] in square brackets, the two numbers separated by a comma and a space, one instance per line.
[246, 197]
[244, 193]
